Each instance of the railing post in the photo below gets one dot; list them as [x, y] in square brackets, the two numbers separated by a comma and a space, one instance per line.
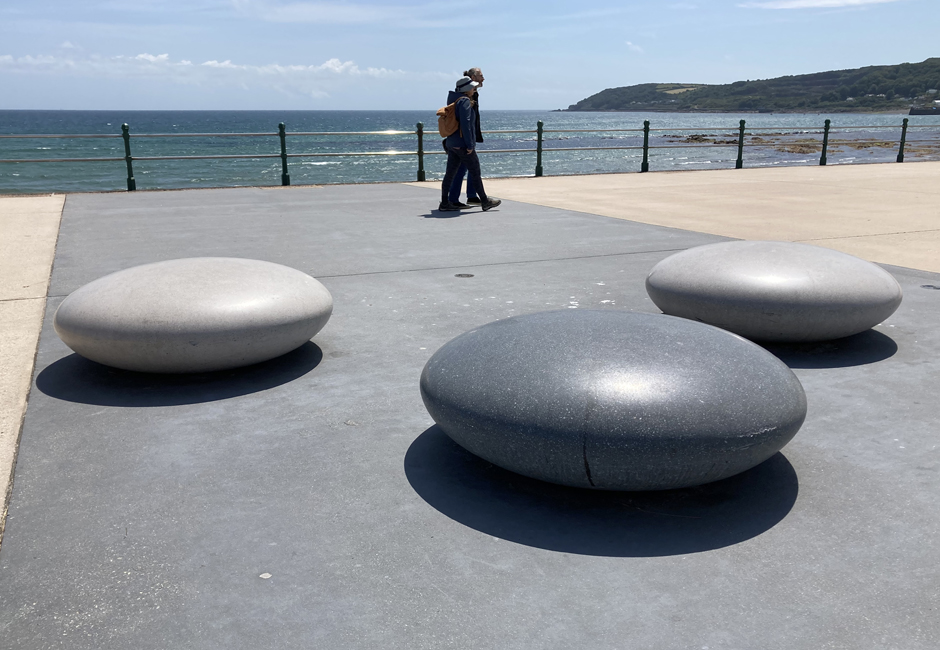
[282, 134]
[645, 166]
[538, 148]
[739, 163]
[421, 174]
[131, 181]
[822, 158]
[903, 140]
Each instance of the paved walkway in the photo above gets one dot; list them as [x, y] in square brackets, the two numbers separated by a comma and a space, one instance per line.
[309, 501]
[887, 213]
[29, 227]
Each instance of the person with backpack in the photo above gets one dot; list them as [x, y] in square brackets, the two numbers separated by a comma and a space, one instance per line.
[477, 75]
[460, 145]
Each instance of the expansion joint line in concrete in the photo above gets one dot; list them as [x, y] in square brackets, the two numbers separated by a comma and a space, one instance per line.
[491, 264]
[877, 234]
[15, 300]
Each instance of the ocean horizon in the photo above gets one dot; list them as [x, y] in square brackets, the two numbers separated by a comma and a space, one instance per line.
[676, 141]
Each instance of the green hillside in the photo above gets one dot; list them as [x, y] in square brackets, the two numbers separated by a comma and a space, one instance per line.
[869, 89]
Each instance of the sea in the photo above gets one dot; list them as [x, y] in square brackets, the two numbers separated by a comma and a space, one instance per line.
[573, 143]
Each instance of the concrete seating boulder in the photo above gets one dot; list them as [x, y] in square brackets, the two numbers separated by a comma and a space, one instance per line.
[193, 315]
[775, 291]
[613, 400]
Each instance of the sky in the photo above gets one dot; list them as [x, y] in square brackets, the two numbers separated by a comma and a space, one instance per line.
[401, 55]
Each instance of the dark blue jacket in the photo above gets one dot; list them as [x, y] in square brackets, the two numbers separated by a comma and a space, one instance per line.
[467, 118]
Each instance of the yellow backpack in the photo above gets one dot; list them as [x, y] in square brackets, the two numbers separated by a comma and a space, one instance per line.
[447, 120]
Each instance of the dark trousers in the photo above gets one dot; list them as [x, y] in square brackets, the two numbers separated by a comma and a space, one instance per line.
[456, 156]
[457, 185]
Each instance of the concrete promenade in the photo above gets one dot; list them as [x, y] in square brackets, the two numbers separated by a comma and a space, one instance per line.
[310, 502]
[885, 213]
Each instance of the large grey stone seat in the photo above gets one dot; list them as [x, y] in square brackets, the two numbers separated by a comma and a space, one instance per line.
[613, 400]
[193, 315]
[775, 291]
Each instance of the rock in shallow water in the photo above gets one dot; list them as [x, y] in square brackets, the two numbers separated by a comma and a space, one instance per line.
[613, 400]
[775, 291]
[193, 315]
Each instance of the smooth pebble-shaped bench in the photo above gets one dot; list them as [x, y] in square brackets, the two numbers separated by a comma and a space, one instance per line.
[193, 315]
[613, 400]
[775, 291]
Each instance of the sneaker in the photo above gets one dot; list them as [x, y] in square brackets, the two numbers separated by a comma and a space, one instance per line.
[475, 200]
[447, 206]
[459, 205]
[490, 204]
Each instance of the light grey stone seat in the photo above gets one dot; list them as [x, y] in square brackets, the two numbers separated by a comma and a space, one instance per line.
[613, 400]
[775, 291]
[193, 315]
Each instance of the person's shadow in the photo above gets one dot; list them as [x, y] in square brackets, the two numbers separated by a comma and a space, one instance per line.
[76, 379]
[442, 214]
[619, 524]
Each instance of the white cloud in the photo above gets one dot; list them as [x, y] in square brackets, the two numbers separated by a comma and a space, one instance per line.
[334, 66]
[162, 58]
[634, 48]
[314, 80]
[811, 4]
[161, 64]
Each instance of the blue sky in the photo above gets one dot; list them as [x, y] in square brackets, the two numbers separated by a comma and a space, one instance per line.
[298, 54]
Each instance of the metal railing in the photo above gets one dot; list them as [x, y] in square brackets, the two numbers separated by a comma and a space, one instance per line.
[739, 136]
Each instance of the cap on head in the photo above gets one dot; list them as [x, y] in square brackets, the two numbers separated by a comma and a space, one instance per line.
[465, 85]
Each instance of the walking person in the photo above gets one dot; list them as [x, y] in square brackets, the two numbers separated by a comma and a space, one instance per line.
[476, 75]
[461, 146]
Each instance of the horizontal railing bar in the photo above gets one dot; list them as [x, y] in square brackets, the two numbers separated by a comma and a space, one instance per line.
[61, 135]
[690, 146]
[351, 133]
[589, 130]
[837, 141]
[52, 160]
[352, 153]
[710, 128]
[783, 144]
[203, 135]
[442, 153]
[550, 149]
[218, 156]
[878, 126]
[750, 129]
[434, 153]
